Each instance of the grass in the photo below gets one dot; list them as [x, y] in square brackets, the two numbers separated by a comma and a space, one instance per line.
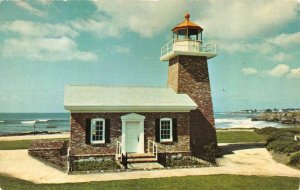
[14, 145]
[223, 137]
[211, 182]
[239, 136]
[19, 144]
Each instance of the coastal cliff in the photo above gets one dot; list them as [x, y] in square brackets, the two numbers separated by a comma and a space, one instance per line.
[281, 117]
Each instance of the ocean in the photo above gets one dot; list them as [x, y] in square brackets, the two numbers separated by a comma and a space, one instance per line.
[11, 123]
[23, 122]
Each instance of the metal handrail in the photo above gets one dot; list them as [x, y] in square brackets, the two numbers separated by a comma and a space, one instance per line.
[153, 147]
[119, 150]
[207, 47]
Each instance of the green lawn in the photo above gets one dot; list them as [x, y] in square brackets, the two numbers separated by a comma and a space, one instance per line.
[212, 182]
[19, 144]
[223, 137]
[13, 145]
[238, 136]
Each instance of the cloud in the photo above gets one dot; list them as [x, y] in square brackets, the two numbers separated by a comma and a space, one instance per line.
[45, 2]
[25, 5]
[278, 71]
[101, 27]
[34, 29]
[45, 49]
[280, 57]
[249, 71]
[121, 49]
[245, 47]
[244, 19]
[145, 18]
[295, 73]
[284, 40]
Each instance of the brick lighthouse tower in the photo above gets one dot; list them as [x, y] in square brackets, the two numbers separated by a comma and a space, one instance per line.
[188, 73]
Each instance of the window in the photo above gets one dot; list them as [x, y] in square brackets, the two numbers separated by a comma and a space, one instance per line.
[166, 130]
[97, 131]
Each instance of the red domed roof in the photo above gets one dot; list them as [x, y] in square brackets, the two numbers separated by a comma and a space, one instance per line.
[187, 24]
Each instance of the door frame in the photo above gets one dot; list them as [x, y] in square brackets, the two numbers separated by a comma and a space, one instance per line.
[133, 117]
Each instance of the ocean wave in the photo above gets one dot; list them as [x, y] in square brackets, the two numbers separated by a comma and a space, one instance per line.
[28, 122]
[243, 123]
[43, 120]
[1, 121]
[229, 120]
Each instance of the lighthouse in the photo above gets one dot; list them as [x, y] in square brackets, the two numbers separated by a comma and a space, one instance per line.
[187, 55]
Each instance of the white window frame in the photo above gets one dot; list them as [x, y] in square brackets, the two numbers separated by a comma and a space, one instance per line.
[91, 135]
[171, 130]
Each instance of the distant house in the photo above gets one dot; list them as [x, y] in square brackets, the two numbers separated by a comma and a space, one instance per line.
[142, 122]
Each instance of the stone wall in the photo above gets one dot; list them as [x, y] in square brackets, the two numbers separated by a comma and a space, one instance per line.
[189, 75]
[78, 133]
[52, 151]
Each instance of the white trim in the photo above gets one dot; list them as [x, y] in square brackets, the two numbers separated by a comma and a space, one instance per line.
[171, 130]
[173, 53]
[131, 108]
[91, 136]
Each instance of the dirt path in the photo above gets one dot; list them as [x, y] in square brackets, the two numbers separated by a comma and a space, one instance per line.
[251, 161]
[33, 137]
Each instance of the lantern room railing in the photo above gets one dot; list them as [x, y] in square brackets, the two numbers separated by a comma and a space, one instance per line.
[196, 47]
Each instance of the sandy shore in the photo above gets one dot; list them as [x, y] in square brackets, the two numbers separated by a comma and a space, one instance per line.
[240, 161]
[34, 137]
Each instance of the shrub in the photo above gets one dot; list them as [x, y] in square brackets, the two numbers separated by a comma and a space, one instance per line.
[284, 146]
[184, 161]
[266, 130]
[95, 165]
[279, 135]
[295, 159]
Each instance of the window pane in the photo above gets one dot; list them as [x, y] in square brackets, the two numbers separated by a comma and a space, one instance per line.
[165, 130]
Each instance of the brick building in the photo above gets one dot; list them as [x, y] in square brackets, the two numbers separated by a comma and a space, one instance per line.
[143, 122]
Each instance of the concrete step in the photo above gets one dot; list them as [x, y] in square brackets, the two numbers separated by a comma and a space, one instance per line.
[141, 160]
[136, 155]
[144, 166]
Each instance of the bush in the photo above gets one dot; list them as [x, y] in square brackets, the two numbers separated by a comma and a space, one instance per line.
[184, 161]
[284, 146]
[266, 130]
[95, 165]
[279, 135]
[295, 159]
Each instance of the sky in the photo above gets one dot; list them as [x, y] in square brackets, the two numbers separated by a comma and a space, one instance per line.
[45, 45]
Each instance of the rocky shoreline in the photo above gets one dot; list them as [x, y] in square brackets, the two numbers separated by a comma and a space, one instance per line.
[280, 117]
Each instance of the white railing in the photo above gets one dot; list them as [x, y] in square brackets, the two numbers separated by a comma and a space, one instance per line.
[152, 147]
[197, 46]
[167, 47]
[68, 159]
[211, 47]
[119, 150]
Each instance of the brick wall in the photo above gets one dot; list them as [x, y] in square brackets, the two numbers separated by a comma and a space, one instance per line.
[78, 133]
[189, 75]
[53, 151]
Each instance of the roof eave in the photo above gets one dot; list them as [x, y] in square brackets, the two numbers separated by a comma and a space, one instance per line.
[75, 109]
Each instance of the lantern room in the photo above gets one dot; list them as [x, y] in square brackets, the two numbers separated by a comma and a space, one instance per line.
[187, 40]
[187, 30]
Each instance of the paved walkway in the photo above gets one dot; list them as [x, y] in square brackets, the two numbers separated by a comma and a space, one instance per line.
[250, 161]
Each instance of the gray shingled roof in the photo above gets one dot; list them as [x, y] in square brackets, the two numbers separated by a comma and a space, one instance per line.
[109, 98]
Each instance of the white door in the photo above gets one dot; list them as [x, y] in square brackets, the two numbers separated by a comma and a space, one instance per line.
[133, 132]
